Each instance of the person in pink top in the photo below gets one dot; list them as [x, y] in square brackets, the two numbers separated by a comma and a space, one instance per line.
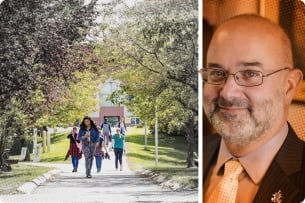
[99, 154]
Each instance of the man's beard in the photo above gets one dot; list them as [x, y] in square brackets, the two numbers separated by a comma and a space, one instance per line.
[249, 124]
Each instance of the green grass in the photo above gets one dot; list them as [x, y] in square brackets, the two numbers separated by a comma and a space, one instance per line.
[20, 174]
[59, 148]
[172, 155]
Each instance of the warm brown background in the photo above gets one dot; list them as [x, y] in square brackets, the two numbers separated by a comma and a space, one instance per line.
[290, 14]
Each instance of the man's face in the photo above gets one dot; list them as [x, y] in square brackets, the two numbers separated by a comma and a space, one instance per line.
[243, 114]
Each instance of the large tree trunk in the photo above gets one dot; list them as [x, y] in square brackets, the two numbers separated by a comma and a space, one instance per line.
[4, 164]
[2, 141]
[191, 144]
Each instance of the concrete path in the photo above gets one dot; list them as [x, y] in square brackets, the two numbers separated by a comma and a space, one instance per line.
[109, 186]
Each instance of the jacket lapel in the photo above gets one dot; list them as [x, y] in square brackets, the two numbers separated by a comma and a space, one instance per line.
[211, 146]
[282, 175]
[276, 182]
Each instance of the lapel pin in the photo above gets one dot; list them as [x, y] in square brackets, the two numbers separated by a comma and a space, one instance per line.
[277, 197]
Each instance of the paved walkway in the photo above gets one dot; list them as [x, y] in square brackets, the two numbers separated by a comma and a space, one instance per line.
[109, 186]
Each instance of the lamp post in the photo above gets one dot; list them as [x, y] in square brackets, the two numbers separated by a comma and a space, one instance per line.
[156, 136]
[145, 134]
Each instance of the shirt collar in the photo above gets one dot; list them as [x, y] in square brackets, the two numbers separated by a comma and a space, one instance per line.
[255, 163]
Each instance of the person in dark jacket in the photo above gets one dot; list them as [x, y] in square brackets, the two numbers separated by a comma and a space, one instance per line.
[89, 136]
[74, 149]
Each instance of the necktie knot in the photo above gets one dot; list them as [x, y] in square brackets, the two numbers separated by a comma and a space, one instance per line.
[233, 168]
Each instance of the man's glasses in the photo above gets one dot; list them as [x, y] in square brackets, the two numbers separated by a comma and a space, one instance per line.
[247, 78]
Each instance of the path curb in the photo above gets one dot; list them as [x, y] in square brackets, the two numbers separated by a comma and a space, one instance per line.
[29, 187]
[161, 180]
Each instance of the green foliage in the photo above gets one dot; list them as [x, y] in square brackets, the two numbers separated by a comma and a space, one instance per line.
[43, 48]
[78, 100]
[155, 52]
[152, 48]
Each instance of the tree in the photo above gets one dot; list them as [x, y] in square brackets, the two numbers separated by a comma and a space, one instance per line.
[155, 47]
[43, 44]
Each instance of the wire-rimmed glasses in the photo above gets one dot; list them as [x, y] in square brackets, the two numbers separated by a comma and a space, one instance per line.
[247, 78]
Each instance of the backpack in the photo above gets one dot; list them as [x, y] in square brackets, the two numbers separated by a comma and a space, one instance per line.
[105, 127]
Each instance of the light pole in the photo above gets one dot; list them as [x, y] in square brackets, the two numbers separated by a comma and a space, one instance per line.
[145, 134]
[156, 136]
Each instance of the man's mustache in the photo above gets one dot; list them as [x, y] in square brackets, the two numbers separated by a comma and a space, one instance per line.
[221, 102]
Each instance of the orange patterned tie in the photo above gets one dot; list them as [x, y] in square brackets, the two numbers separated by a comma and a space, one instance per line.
[225, 191]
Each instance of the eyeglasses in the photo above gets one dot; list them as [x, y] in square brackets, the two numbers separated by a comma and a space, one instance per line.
[247, 78]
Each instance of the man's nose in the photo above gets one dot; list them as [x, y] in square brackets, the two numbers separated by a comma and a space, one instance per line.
[230, 88]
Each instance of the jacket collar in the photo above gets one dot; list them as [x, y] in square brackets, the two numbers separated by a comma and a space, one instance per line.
[278, 178]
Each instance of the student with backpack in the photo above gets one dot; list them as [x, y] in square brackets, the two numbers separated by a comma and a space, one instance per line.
[99, 154]
[106, 130]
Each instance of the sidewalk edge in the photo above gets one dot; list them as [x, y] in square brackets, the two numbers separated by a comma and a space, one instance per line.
[30, 186]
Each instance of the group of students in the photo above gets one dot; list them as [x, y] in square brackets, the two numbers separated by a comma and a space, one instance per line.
[93, 142]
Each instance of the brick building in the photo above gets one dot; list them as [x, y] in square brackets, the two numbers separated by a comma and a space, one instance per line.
[107, 109]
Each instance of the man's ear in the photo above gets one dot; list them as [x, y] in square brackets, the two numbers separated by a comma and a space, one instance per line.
[294, 79]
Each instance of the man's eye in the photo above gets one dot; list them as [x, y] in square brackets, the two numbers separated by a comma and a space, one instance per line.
[217, 73]
[251, 73]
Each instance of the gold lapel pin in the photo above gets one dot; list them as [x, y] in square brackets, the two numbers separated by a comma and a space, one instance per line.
[277, 197]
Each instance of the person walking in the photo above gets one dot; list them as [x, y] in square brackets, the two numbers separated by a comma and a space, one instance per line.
[118, 139]
[90, 138]
[74, 149]
[99, 154]
[122, 126]
[106, 130]
[123, 129]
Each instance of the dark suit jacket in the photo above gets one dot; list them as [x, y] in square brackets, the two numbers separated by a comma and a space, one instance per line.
[286, 172]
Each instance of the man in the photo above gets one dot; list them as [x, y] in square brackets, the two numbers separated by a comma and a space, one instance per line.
[106, 130]
[249, 84]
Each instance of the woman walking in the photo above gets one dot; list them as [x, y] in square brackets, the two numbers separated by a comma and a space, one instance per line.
[118, 139]
[74, 149]
[89, 136]
[122, 126]
[99, 154]
[123, 129]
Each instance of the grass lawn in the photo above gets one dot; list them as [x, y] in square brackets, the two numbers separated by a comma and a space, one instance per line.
[172, 157]
[59, 148]
[20, 174]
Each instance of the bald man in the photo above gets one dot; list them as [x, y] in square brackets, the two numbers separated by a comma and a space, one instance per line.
[249, 83]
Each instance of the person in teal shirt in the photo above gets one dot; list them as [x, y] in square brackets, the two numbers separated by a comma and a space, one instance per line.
[119, 140]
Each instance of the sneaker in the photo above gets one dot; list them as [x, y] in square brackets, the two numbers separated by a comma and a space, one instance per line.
[89, 176]
[121, 168]
[73, 170]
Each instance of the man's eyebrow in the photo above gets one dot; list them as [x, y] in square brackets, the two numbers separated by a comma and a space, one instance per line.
[214, 65]
[247, 64]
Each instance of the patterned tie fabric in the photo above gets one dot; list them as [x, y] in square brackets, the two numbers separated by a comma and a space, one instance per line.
[225, 191]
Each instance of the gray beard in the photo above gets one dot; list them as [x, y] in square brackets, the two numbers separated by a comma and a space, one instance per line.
[250, 126]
